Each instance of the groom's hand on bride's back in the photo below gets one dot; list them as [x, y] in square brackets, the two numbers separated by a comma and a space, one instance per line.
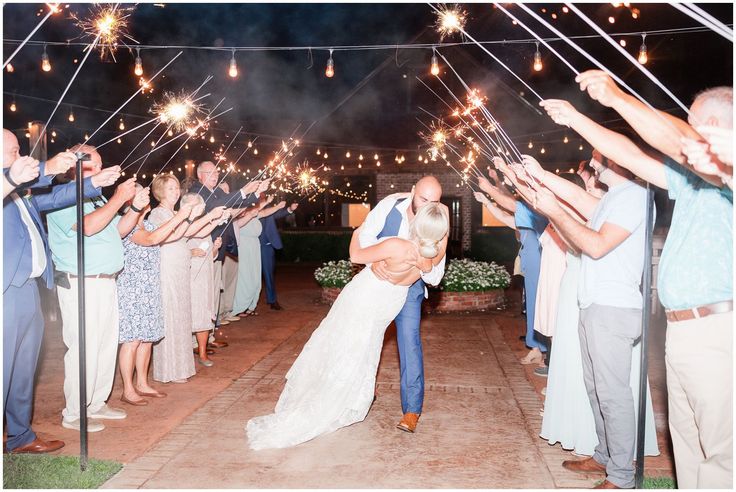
[380, 270]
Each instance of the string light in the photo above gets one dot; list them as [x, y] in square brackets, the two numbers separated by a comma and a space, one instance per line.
[10, 68]
[581, 147]
[622, 43]
[565, 9]
[347, 154]
[121, 125]
[538, 60]
[120, 141]
[542, 151]
[643, 56]
[71, 115]
[86, 136]
[53, 133]
[565, 140]
[611, 20]
[138, 70]
[531, 145]
[330, 69]
[212, 139]
[45, 62]
[233, 72]
[375, 157]
[360, 157]
[435, 66]
[13, 107]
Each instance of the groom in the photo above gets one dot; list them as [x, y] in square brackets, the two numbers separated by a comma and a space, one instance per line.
[392, 217]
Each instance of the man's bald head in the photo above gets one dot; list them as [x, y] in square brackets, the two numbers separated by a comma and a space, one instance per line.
[207, 174]
[427, 190]
[11, 148]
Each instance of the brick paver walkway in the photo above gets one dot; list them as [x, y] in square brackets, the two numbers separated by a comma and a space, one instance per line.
[479, 428]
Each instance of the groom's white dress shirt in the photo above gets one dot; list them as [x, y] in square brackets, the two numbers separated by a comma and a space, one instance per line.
[375, 222]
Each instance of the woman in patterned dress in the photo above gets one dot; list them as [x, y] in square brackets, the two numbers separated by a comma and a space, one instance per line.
[139, 301]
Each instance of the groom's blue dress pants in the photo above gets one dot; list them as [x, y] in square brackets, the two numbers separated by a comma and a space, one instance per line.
[410, 350]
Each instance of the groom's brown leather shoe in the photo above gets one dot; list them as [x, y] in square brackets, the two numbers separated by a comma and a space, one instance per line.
[408, 422]
[588, 465]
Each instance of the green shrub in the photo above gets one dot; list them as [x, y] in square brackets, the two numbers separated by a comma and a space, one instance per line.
[314, 246]
[499, 245]
[472, 276]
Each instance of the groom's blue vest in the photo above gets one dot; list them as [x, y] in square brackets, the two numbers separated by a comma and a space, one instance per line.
[391, 229]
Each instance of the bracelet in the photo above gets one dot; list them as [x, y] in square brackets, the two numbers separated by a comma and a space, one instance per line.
[10, 180]
[134, 209]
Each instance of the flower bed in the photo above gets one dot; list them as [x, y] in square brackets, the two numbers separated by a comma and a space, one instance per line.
[467, 285]
[470, 286]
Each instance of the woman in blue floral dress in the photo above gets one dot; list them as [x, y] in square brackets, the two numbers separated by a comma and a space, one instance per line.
[139, 302]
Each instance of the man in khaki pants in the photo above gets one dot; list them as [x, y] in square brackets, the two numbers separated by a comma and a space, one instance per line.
[103, 228]
[696, 269]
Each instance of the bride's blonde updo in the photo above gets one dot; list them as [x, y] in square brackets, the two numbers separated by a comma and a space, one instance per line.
[429, 227]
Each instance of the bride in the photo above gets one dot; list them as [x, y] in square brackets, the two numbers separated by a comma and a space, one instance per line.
[332, 382]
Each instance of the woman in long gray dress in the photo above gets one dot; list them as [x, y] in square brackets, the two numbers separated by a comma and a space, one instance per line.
[173, 360]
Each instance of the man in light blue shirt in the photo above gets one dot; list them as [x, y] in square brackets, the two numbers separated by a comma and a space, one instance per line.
[103, 229]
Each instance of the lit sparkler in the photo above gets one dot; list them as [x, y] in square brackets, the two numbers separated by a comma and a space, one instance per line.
[110, 24]
[178, 110]
[450, 19]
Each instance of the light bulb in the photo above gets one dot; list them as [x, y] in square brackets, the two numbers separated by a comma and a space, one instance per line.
[45, 63]
[53, 133]
[538, 60]
[13, 107]
[643, 57]
[212, 139]
[622, 43]
[435, 66]
[347, 154]
[581, 147]
[531, 145]
[375, 157]
[86, 136]
[233, 71]
[565, 140]
[542, 151]
[121, 125]
[10, 68]
[255, 151]
[120, 141]
[360, 157]
[611, 19]
[330, 69]
[71, 116]
[138, 70]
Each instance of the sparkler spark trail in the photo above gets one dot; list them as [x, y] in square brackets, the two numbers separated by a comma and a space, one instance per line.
[108, 23]
[178, 110]
[53, 8]
[449, 20]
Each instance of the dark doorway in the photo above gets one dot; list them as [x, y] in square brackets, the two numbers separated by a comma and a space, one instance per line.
[455, 241]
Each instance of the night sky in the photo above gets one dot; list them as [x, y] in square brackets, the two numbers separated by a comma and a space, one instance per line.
[277, 90]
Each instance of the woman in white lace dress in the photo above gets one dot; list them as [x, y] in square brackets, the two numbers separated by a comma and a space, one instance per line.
[332, 382]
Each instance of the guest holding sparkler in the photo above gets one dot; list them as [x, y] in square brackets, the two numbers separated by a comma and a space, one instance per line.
[530, 225]
[248, 288]
[172, 356]
[26, 265]
[203, 250]
[270, 242]
[139, 300]
[696, 269]
[209, 178]
[104, 229]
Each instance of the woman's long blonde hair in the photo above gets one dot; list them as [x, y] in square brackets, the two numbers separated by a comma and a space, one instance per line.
[429, 227]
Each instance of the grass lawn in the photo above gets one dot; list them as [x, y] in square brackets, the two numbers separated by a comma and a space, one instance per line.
[659, 483]
[27, 471]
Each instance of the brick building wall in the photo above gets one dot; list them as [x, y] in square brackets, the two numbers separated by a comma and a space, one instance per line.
[386, 184]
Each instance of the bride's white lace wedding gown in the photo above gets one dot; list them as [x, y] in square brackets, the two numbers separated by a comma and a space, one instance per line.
[332, 382]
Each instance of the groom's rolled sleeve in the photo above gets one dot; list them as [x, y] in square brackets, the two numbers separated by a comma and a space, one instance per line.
[434, 276]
